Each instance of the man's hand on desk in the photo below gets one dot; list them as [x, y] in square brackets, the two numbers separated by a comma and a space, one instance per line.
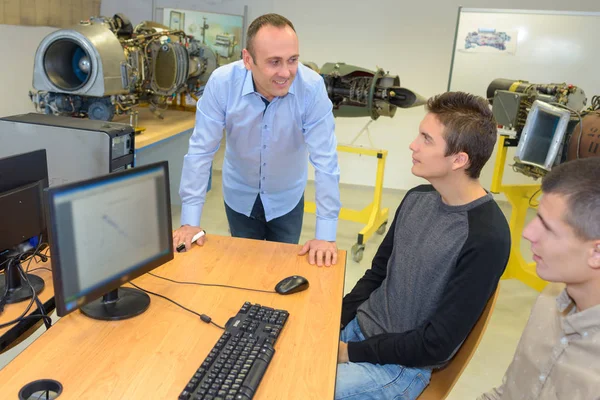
[343, 353]
[320, 252]
[185, 234]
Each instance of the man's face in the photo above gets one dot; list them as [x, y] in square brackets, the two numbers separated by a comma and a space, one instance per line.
[429, 149]
[560, 255]
[275, 61]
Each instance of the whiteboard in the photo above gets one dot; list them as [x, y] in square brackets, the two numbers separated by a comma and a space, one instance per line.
[551, 47]
[547, 47]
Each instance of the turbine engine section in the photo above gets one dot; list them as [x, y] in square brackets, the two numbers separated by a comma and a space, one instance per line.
[105, 66]
[169, 66]
[511, 99]
[84, 60]
[549, 121]
[359, 92]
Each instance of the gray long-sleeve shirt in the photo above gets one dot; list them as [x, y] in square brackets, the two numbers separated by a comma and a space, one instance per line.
[429, 281]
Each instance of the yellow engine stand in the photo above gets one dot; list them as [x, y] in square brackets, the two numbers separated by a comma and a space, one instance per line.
[519, 197]
[372, 215]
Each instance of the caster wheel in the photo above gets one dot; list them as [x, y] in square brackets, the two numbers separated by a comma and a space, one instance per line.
[381, 229]
[357, 252]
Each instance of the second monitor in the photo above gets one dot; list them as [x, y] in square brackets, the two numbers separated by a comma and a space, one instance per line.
[105, 232]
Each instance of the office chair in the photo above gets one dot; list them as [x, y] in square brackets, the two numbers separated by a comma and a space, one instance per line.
[443, 380]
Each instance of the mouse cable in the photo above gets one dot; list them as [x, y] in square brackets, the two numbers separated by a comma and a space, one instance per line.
[203, 317]
[211, 284]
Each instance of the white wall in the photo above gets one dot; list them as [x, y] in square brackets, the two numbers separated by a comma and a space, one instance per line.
[18, 46]
[141, 10]
[411, 39]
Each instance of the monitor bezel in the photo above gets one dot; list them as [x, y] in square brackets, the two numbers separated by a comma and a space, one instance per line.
[24, 169]
[98, 292]
[564, 116]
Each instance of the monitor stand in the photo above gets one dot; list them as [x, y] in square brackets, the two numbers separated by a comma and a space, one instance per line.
[18, 289]
[121, 303]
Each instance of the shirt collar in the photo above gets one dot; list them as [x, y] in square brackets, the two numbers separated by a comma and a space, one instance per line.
[583, 322]
[250, 88]
[293, 85]
[248, 84]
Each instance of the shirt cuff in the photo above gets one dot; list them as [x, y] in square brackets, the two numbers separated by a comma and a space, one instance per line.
[356, 353]
[326, 229]
[190, 215]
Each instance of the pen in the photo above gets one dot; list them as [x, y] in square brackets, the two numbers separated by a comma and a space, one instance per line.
[197, 236]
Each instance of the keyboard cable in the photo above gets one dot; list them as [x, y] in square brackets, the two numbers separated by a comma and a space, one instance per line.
[203, 317]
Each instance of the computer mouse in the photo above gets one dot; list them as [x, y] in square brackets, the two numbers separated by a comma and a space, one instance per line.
[292, 284]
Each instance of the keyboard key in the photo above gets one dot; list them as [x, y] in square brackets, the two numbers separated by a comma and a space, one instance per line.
[234, 367]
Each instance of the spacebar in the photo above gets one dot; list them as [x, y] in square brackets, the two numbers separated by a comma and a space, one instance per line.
[256, 373]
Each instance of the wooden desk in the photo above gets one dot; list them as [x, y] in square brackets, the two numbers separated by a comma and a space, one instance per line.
[153, 355]
[157, 130]
[12, 335]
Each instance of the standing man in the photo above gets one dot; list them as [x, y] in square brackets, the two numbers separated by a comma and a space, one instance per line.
[558, 356]
[438, 265]
[276, 114]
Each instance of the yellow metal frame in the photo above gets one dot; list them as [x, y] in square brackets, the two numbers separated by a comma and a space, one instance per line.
[373, 216]
[519, 197]
[179, 102]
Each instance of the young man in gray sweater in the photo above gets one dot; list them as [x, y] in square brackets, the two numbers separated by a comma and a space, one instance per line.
[436, 268]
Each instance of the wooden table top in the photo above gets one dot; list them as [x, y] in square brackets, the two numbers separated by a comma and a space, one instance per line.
[174, 123]
[153, 355]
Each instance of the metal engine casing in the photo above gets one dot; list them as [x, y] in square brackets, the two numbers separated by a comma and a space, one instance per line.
[51, 73]
[359, 92]
[105, 66]
[512, 105]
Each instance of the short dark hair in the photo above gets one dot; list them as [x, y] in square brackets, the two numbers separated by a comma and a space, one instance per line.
[275, 20]
[469, 126]
[577, 180]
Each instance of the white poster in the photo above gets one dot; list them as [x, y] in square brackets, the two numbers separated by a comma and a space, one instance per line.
[221, 32]
[487, 40]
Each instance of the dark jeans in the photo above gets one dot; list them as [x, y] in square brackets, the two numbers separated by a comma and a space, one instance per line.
[285, 229]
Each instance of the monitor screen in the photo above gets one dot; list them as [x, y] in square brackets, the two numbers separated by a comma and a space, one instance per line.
[107, 231]
[22, 180]
[542, 135]
[16, 173]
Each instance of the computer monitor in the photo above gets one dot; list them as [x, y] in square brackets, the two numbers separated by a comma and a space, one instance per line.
[543, 135]
[22, 180]
[105, 232]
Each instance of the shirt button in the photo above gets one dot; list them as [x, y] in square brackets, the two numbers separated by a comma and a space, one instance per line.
[564, 340]
[265, 126]
[264, 146]
[264, 164]
[262, 191]
[263, 178]
[542, 378]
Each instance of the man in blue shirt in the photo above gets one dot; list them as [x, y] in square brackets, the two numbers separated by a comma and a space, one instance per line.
[276, 112]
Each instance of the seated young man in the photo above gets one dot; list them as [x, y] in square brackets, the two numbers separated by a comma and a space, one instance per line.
[438, 265]
[558, 356]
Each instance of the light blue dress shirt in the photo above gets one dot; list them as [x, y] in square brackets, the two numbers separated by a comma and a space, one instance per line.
[267, 149]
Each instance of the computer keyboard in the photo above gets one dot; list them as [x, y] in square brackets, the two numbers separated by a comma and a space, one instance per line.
[236, 364]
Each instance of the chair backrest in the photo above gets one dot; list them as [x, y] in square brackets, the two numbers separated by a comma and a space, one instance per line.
[443, 380]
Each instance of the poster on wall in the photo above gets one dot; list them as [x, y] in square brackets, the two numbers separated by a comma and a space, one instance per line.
[487, 40]
[221, 32]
